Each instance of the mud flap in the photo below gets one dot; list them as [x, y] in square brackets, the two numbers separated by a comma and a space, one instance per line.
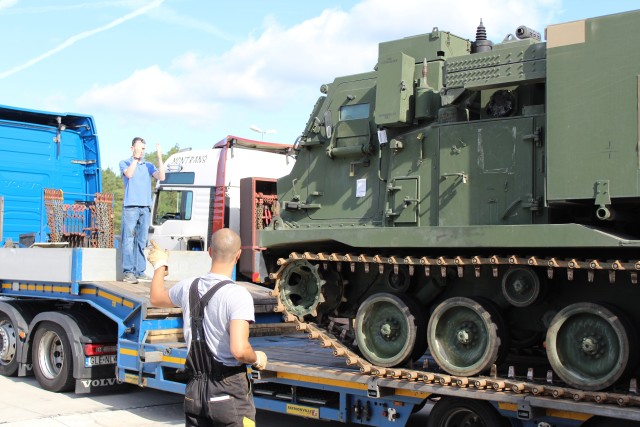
[93, 385]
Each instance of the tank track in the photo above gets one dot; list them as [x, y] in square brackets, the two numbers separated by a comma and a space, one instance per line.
[510, 384]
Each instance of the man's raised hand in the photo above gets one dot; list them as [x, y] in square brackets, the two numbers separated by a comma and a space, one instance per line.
[158, 257]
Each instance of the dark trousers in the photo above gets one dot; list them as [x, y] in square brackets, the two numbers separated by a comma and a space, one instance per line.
[229, 402]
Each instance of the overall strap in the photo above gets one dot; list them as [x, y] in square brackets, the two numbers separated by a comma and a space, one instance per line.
[209, 294]
[197, 305]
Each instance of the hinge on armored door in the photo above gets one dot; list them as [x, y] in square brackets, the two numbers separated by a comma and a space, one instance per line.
[532, 203]
[459, 175]
[536, 136]
[603, 193]
[352, 166]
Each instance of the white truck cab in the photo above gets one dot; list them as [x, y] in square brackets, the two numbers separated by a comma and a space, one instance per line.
[201, 191]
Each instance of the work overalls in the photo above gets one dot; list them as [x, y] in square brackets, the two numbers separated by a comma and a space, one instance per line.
[216, 395]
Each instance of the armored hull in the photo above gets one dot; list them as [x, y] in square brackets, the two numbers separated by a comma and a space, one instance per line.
[475, 199]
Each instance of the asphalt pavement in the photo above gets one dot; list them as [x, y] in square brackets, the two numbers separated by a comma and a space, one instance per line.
[24, 404]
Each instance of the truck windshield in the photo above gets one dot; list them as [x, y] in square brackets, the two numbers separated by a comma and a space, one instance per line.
[179, 178]
[172, 205]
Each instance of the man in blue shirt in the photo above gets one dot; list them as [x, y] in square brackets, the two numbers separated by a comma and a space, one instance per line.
[136, 210]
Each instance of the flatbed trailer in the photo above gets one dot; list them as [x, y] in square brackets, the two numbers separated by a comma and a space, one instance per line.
[87, 313]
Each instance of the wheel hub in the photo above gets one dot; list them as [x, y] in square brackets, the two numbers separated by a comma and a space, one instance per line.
[520, 286]
[7, 342]
[593, 346]
[51, 355]
[467, 334]
[390, 329]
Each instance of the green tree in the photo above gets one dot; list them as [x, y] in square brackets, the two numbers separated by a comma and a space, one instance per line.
[112, 184]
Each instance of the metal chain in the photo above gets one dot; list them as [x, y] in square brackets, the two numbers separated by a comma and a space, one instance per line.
[54, 212]
[260, 215]
[67, 222]
[104, 220]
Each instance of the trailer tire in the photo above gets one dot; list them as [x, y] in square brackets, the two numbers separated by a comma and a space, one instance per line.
[53, 358]
[8, 347]
[450, 412]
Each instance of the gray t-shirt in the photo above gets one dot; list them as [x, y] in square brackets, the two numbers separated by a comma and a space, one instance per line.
[231, 302]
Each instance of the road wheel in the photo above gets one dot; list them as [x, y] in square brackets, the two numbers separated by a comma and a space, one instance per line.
[466, 336]
[456, 412]
[8, 347]
[53, 358]
[390, 330]
[590, 346]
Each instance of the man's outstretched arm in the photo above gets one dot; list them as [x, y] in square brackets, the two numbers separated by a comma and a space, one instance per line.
[159, 258]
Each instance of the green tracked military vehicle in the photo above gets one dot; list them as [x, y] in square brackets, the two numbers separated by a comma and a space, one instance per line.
[477, 199]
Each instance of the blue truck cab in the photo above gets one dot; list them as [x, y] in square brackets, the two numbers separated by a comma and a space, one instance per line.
[39, 150]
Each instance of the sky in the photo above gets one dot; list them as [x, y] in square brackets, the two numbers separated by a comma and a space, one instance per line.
[190, 72]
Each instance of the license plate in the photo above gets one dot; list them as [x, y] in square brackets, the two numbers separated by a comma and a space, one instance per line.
[99, 360]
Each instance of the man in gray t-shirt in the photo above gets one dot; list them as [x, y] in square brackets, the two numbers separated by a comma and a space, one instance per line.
[231, 302]
[228, 400]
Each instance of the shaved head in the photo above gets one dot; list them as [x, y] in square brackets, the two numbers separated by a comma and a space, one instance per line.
[225, 244]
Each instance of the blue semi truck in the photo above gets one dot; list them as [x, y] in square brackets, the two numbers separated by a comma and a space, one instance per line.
[65, 318]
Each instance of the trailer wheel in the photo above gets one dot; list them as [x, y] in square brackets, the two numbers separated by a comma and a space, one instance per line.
[53, 358]
[454, 412]
[8, 360]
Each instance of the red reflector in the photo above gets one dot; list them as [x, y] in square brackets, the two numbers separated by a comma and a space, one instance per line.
[255, 277]
[99, 349]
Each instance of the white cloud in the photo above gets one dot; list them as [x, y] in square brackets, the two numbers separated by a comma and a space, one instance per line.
[151, 94]
[270, 68]
[4, 4]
